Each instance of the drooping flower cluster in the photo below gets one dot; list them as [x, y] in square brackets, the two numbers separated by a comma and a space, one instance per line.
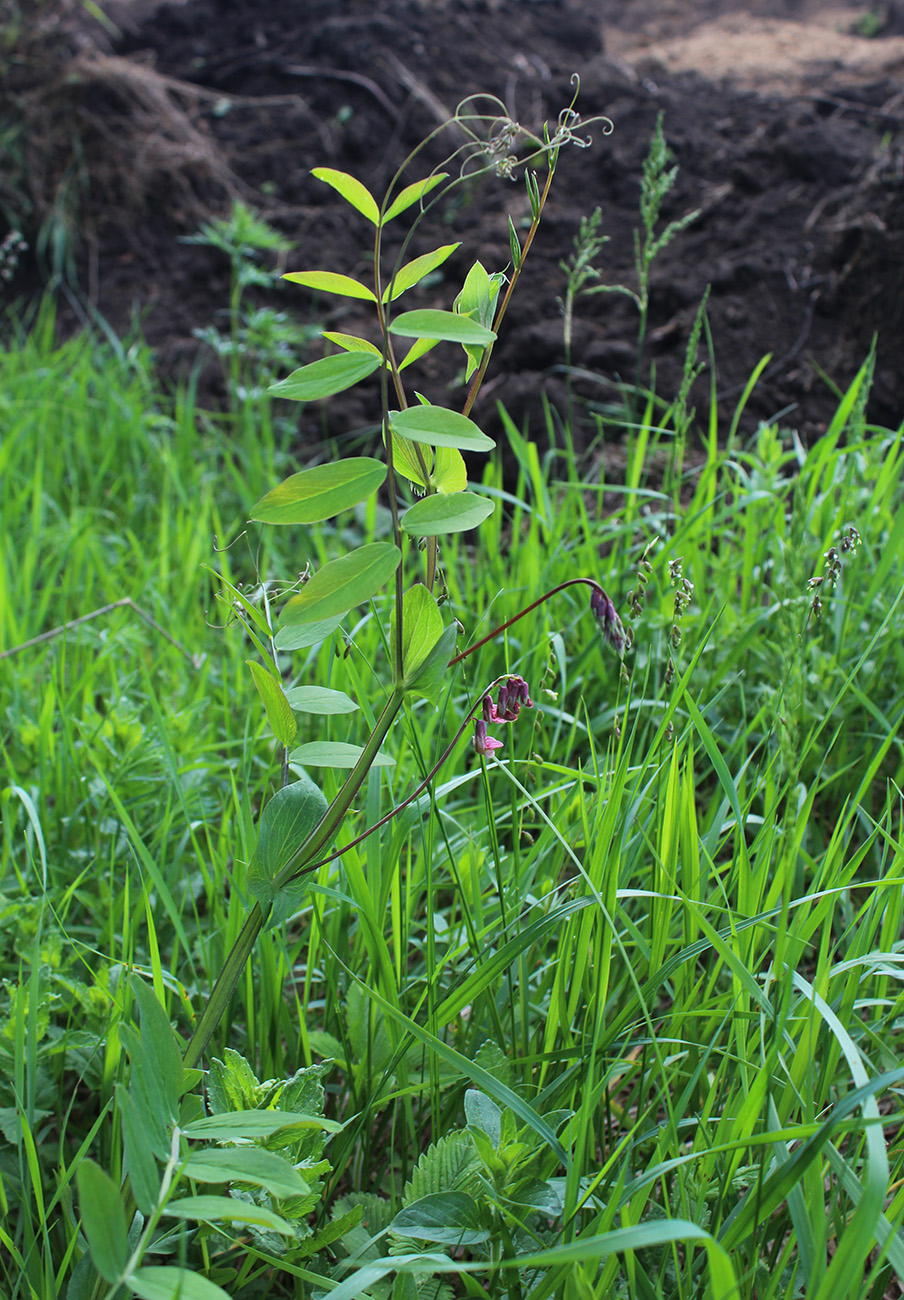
[607, 617]
[512, 696]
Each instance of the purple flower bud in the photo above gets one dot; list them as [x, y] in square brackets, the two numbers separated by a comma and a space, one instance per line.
[607, 617]
[484, 744]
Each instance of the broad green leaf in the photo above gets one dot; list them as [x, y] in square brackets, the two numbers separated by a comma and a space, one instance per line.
[446, 514]
[405, 460]
[483, 1113]
[332, 282]
[165, 1283]
[422, 627]
[418, 349]
[437, 427]
[334, 753]
[307, 634]
[143, 1174]
[429, 679]
[279, 712]
[246, 1165]
[320, 492]
[351, 342]
[404, 1287]
[450, 1217]
[243, 1125]
[412, 194]
[286, 822]
[434, 324]
[159, 1040]
[413, 272]
[450, 473]
[146, 1090]
[227, 1209]
[325, 377]
[358, 195]
[103, 1220]
[318, 699]
[477, 300]
[342, 584]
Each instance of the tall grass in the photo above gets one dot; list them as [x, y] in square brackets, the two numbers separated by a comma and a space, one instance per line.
[667, 920]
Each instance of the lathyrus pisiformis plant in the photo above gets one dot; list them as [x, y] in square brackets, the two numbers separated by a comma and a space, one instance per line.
[161, 1115]
[422, 456]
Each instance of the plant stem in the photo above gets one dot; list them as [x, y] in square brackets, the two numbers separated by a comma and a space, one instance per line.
[321, 835]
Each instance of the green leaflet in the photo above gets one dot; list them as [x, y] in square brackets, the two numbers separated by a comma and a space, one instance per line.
[422, 627]
[477, 300]
[450, 473]
[331, 282]
[306, 634]
[279, 712]
[341, 584]
[437, 427]
[429, 679]
[334, 753]
[287, 820]
[453, 1218]
[411, 194]
[453, 513]
[227, 1209]
[319, 699]
[320, 492]
[435, 324]
[352, 190]
[413, 272]
[249, 1125]
[164, 1282]
[246, 1165]
[418, 349]
[103, 1220]
[325, 377]
[351, 342]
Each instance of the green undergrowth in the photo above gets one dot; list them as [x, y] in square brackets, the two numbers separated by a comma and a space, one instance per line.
[643, 971]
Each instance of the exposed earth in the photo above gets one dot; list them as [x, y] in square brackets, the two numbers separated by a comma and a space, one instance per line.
[784, 119]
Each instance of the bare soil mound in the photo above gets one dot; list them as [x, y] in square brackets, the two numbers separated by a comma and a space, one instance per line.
[785, 122]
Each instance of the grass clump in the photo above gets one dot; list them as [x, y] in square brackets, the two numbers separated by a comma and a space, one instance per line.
[612, 1011]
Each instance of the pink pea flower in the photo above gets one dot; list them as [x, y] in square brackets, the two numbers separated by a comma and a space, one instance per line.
[484, 744]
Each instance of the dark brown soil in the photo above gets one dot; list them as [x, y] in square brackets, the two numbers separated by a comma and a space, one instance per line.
[787, 129]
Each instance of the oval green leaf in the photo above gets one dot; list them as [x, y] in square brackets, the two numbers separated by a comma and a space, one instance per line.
[422, 627]
[246, 1165]
[412, 194]
[435, 324]
[286, 822]
[244, 1125]
[450, 473]
[437, 427]
[325, 377]
[320, 492]
[454, 513]
[228, 1210]
[343, 583]
[103, 1219]
[334, 753]
[453, 1218]
[307, 634]
[410, 274]
[318, 699]
[162, 1282]
[279, 714]
[418, 349]
[351, 342]
[332, 282]
[358, 195]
